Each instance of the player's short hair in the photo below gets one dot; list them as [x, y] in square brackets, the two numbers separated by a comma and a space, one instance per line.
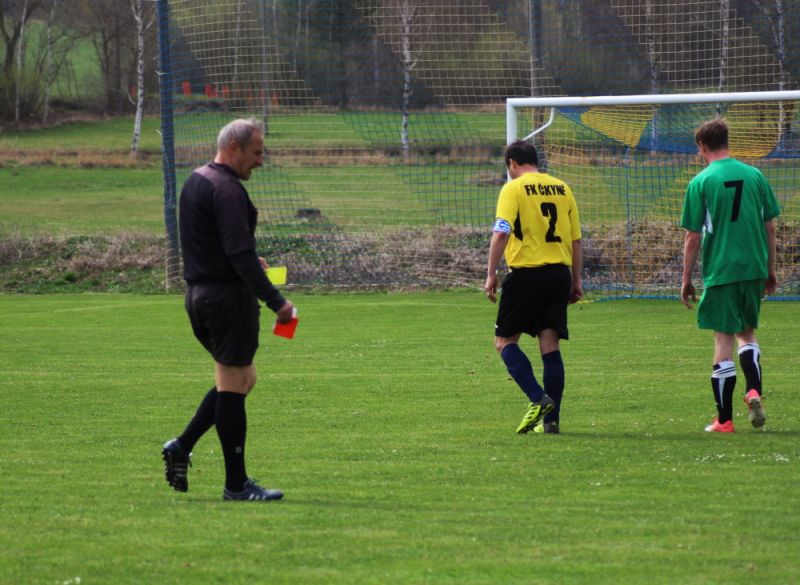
[239, 131]
[714, 134]
[522, 153]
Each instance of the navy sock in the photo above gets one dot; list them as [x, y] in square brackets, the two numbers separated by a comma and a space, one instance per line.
[723, 381]
[519, 366]
[202, 420]
[553, 378]
[750, 360]
[231, 422]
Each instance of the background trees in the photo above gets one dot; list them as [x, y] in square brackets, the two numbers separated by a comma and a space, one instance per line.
[394, 54]
[37, 74]
[17, 91]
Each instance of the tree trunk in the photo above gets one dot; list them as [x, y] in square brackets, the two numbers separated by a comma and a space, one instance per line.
[275, 22]
[780, 46]
[297, 33]
[236, 41]
[20, 62]
[138, 14]
[376, 67]
[535, 42]
[652, 60]
[265, 85]
[408, 63]
[117, 84]
[50, 68]
[724, 48]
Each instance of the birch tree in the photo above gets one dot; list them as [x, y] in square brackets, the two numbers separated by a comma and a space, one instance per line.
[50, 67]
[652, 61]
[535, 43]
[724, 48]
[407, 28]
[143, 23]
[408, 61]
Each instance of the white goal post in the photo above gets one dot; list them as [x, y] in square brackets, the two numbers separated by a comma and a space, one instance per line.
[512, 104]
[629, 159]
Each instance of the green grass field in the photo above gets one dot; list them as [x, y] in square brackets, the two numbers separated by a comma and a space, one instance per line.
[55, 200]
[90, 136]
[96, 200]
[389, 422]
[382, 193]
[350, 129]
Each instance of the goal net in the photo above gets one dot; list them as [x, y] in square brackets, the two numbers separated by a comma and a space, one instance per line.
[386, 119]
[629, 160]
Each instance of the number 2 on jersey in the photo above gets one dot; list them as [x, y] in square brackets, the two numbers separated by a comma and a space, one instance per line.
[737, 197]
[551, 211]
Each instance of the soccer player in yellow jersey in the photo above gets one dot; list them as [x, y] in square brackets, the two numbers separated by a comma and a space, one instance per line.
[538, 229]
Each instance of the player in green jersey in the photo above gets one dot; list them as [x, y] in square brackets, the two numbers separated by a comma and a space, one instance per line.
[729, 211]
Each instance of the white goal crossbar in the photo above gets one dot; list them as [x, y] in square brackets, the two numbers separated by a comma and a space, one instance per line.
[512, 104]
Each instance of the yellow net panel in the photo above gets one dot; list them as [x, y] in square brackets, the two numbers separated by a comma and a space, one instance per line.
[629, 167]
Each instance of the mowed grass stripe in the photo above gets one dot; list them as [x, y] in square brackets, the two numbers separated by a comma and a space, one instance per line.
[360, 195]
[52, 200]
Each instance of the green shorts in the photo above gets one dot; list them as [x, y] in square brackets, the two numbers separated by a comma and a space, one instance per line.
[731, 308]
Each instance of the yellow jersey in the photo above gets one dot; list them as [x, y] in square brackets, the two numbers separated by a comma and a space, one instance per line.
[541, 216]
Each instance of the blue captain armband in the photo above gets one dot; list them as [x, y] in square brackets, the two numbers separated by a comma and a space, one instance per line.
[501, 225]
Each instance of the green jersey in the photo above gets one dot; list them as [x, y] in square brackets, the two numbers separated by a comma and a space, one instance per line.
[729, 201]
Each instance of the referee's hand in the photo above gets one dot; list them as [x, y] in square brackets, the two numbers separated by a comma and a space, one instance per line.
[491, 287]
[284, 314]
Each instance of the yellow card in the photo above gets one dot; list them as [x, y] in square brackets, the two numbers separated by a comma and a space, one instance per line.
[277, 274]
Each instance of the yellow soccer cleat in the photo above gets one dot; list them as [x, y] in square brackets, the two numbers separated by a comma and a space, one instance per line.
[535, 413]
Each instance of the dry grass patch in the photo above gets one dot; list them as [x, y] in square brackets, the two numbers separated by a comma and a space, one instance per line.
[71, 158]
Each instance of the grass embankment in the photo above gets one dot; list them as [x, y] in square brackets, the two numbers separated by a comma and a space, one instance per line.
[77, 212]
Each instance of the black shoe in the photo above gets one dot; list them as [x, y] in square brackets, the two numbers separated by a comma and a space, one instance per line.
[551, 427]
[252, 492]
[176, 462]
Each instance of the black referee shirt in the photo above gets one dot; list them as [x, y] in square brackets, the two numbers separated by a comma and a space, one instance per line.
[217, 228]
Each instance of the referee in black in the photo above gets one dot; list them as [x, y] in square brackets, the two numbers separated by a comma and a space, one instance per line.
[224, 281]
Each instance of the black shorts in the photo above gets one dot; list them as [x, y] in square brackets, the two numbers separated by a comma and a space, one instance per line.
[534, 299]
[224, 319]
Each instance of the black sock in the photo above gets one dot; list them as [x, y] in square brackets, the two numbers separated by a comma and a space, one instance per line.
[723, 381]
[202, 420]
[553, 378]
[231, 424]
[519, 366]
[750, 360]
